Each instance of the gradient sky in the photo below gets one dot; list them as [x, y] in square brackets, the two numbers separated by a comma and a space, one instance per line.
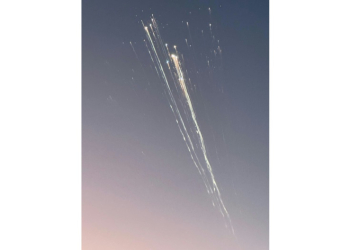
[141, 190]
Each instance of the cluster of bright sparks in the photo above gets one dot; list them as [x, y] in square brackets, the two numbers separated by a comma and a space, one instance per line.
[170, 68]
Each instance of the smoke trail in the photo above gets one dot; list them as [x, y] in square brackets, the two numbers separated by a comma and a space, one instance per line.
[162, 56]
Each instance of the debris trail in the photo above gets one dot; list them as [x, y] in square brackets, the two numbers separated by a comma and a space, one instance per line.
[134, 51]
[171, 69]
[138, 59]
[189, 33]
[176, 112]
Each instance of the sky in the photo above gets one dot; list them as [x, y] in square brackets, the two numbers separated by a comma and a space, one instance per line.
[140, 188]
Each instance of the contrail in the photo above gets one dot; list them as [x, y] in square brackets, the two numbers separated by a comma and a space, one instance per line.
[195, 143]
